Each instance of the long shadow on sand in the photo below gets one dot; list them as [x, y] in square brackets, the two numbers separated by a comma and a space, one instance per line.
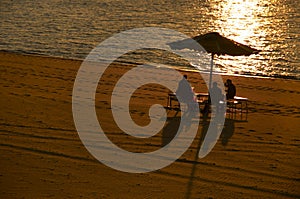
[170, 130]
[226, 134]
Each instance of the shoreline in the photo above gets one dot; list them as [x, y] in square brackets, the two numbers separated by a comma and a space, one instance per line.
[183, 69]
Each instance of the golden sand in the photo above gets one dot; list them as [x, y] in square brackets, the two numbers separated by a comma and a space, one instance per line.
[43, 157]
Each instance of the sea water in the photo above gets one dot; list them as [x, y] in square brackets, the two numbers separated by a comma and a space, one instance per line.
[71, 29]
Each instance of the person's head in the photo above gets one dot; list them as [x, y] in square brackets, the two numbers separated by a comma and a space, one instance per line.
[185, 76]
[228, 81]
[215, 84]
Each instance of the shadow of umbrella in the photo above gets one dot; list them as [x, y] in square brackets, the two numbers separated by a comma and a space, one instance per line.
[205, 125]
[226, 134]
[215, 44]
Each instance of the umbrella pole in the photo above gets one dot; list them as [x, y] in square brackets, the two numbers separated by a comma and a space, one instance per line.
[211, 70]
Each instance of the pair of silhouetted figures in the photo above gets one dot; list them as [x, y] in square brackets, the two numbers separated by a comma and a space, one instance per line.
[217, 98]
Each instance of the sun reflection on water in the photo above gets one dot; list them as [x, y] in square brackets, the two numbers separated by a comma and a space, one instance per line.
[251, 23]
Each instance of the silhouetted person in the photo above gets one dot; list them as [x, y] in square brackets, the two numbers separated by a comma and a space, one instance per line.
[215, 97]
[185, 93]
[231, 90]
[216, 94]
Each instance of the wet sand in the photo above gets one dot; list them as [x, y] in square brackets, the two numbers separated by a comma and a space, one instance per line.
[43, 157]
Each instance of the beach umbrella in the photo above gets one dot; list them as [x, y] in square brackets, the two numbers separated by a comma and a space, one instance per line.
[215, 44]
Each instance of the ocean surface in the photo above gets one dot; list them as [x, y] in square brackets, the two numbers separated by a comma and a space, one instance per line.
[71, 29]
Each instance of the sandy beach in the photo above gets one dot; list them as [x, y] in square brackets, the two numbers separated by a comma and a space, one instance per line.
[42, 155]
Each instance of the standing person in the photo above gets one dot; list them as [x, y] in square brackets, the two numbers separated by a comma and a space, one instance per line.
[185, 93]
[231, 90]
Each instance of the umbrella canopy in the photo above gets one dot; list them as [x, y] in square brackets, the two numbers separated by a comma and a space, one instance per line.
[215, 44]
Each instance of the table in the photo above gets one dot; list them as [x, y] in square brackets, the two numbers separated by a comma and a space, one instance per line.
[201, 98]
[238, 104]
